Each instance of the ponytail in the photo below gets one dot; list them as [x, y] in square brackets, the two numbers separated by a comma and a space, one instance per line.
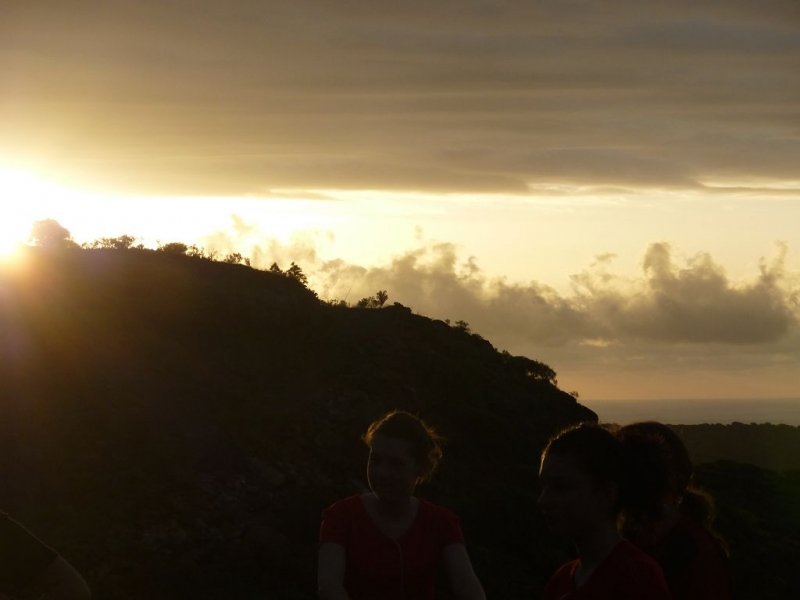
[659, 471]
[698, 505]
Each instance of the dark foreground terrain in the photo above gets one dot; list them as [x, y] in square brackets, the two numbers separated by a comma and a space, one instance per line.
[174, 426]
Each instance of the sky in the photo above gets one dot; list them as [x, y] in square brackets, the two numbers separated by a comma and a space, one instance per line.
[612, 188]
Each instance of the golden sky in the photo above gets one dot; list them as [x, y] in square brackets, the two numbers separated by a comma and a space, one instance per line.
[610, 187]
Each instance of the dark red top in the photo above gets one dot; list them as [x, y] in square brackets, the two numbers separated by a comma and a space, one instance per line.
[693, 562]
[379, 568]
[626, 573]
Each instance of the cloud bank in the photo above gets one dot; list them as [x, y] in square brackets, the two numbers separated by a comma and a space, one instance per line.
[674, 301]
[681, 328]
[691, 303]
[230, 97]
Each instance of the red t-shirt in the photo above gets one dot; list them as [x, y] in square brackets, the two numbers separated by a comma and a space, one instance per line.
[379, 568]
[693, 562]
[626, 573]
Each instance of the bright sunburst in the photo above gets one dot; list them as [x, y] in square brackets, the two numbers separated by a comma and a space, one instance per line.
[25, 197]
[21, 194]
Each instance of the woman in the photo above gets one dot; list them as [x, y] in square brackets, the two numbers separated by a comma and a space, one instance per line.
[582, 477]
[389, 544]
[670, 518]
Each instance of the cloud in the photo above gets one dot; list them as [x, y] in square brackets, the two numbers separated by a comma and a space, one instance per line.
[674, 300]
[693, 303]
[296, 194]
[233, 97]
[681, 327]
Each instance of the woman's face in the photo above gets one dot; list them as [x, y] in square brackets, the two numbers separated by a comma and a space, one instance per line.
[571, 502]
[392, 470]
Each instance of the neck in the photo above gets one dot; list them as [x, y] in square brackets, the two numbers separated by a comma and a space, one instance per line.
[596, 544]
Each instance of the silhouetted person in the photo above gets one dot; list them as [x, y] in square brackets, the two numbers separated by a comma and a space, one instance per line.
[29, 568]
[389, 544]
[582, 477]
[669, 517]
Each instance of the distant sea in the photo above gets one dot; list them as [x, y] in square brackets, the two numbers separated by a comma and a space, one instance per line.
[693, 412]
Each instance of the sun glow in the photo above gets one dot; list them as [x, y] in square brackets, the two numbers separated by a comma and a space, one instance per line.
[27, 196]
[21, 196]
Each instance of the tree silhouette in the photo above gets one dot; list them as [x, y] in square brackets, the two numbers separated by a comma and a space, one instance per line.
[368, 302]
[530, 368]
[50, 234]
[233, 259]
[174, 248]
[376, 301]
[463, 326]
[123, 242]
[295, 272]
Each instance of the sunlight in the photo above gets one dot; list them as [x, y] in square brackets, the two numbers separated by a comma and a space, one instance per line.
[27, 196]
[21, 195]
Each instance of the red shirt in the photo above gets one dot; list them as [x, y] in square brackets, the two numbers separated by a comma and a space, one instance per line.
[379, 568]
[693, 562]
[626, 573]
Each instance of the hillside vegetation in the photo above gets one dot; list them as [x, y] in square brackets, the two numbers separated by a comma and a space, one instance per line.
[769, 446]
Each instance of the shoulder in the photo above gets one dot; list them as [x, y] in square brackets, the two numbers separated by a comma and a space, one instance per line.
[340, 519]
[442, 521]
[343, 513]
[630, 554]
[640, 567]
[562, 581]
[347, 506]
[689, 543]
[702, 567]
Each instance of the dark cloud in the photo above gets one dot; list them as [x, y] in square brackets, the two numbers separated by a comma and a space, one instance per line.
[234, 97]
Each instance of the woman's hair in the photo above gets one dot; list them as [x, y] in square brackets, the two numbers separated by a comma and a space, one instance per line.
[426, 444]
[659, 471]
[595, 450]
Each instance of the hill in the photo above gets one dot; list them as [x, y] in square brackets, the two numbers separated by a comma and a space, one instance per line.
[174, 425]
[774, 447]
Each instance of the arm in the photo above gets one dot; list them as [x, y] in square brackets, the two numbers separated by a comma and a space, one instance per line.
[60, 581]
[330, 572]
[459, 569]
